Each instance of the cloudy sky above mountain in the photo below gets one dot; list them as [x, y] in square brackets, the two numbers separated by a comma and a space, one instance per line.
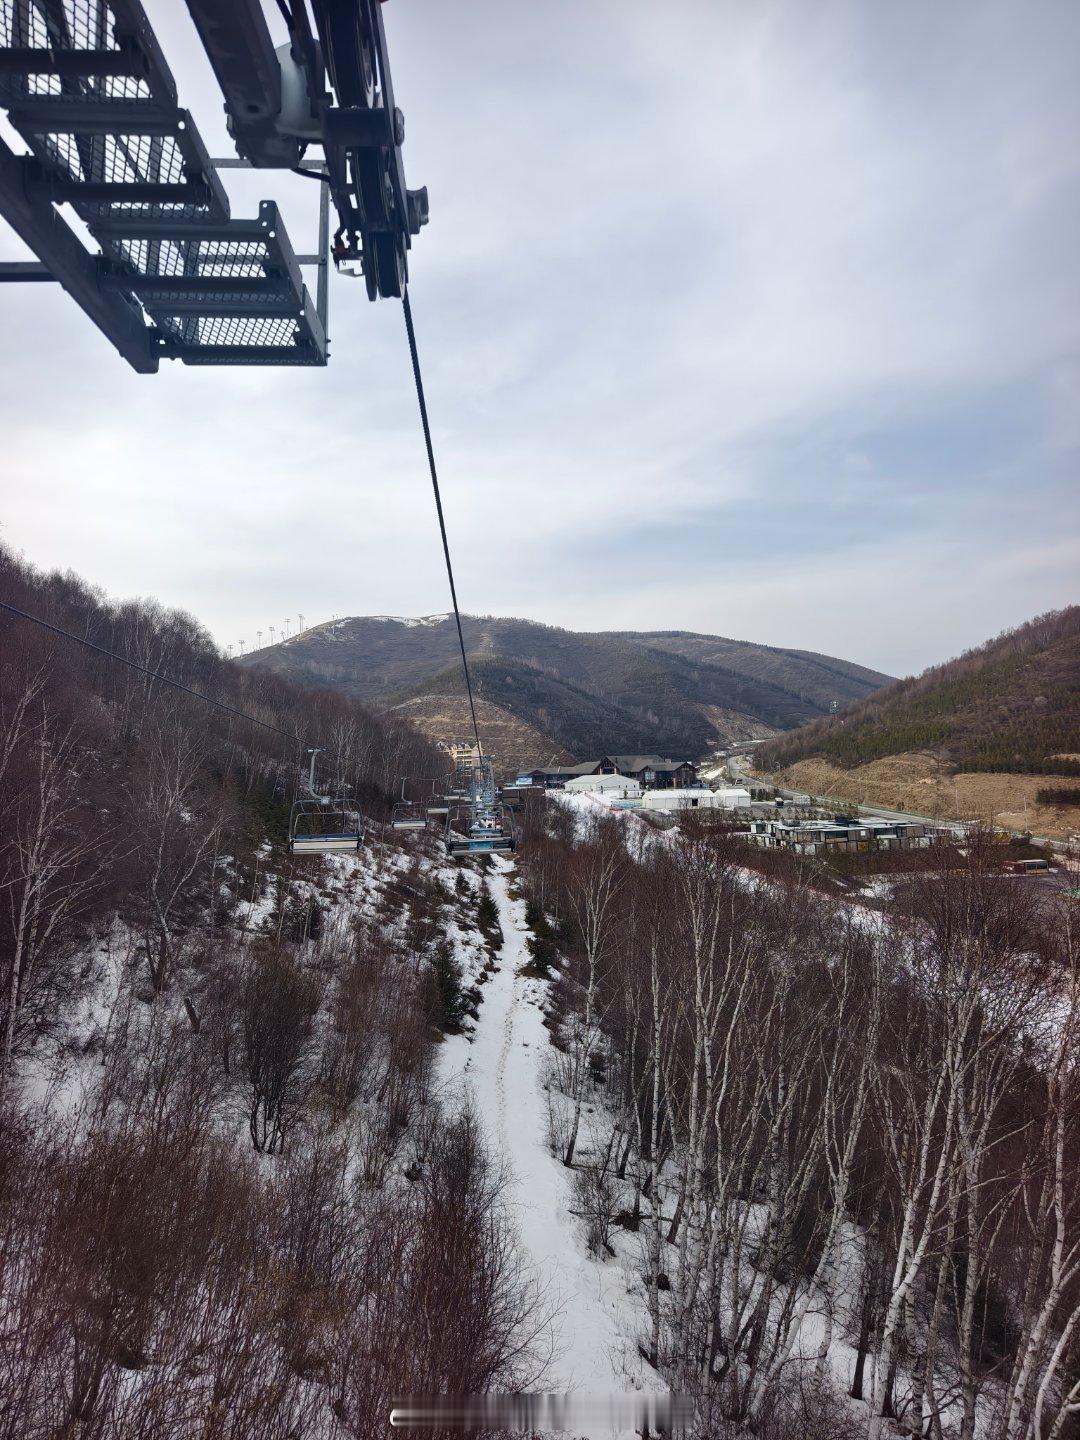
[760, 319]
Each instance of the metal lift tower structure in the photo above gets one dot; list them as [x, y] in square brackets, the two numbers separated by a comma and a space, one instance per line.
[87, 88]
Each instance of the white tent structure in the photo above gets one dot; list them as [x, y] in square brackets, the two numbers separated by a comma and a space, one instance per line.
[731, 797]
[610, 787]
[695, 798]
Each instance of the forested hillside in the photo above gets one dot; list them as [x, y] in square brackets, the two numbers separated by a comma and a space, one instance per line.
[842, 1146]
[230, 1203]
[820, 679]
[651, 716]
[670, 692]
[811, 1165]
[1011, 705]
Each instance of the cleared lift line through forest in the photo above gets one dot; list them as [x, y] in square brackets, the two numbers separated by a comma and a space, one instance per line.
[503, 1065]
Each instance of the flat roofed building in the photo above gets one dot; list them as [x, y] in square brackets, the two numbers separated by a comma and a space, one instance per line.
[731, 797]
[811, 837]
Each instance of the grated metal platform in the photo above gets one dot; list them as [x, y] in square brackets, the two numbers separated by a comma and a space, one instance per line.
[86, 86]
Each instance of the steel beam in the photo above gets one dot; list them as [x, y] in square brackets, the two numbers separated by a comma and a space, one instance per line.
[224, 305]
[239, 47]
[141, 227]
[122, 192]
[14, 271]
[72, 64]
[64, 116]
[36, 223]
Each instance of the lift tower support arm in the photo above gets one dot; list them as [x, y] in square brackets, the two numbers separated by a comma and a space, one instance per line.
[239, 46]
[37, 223]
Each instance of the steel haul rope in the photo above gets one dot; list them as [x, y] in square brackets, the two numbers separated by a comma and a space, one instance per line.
[438, 506]
[134, 665]
[240, 714]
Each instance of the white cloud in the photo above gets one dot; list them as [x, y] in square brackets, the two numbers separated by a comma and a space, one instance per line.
[719, 280]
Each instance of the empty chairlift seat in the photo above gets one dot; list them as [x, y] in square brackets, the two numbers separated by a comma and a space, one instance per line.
[324, 828]
[323, 824]
[438, 803]
[408, 816]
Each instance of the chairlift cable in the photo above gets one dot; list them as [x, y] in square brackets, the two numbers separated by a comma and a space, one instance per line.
[134, 665]
[439, 507]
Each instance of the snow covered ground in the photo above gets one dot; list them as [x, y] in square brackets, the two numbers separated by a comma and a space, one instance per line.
[503, 1065]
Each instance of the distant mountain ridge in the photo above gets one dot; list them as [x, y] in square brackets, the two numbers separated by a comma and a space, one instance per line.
[817, 678]
[669, 692]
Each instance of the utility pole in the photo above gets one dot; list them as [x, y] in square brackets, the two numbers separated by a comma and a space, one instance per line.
[259, 634]
[286, 627]
[241, 647]
[301, 629]
[271, 634]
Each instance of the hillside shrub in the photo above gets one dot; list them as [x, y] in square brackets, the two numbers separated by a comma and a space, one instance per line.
[1057, 795]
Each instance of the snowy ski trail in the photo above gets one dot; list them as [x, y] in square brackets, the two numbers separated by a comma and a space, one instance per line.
[502, 1067]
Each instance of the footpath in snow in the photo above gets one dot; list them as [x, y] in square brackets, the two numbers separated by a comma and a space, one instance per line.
[503, 1066]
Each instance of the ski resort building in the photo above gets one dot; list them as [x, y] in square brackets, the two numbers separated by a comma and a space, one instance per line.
[814, 837]
[652, 772]
[462, 752]
[732, 797]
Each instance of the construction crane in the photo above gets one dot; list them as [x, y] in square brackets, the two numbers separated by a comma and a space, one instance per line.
[86, 86]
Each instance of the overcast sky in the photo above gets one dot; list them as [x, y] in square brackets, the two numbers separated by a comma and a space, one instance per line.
[757, 317]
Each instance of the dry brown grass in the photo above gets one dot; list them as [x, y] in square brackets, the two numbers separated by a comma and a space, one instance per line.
[921, 783]
[512, 743]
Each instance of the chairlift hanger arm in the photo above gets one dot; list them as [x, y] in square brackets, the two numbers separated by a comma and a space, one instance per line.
[329, 85]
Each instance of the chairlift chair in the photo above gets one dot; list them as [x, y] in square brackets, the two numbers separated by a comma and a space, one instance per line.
[438, 805]
[324, 824]
[473, 830]
[458, 785]
[408, 814]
